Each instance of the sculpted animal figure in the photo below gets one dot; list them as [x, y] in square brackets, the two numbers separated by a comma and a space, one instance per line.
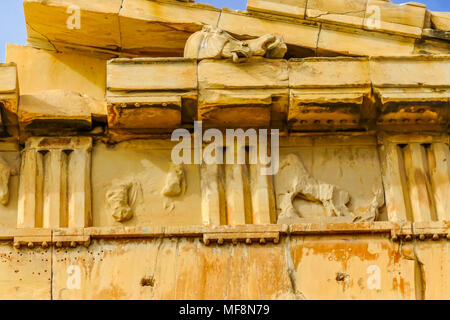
[175, 183]
[333, 198]
[214, 43]
[120, 199]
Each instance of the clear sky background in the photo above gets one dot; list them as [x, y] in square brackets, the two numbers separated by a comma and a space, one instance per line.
[12, 22]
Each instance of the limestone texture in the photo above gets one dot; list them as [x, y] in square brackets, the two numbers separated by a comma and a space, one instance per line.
[347, 101]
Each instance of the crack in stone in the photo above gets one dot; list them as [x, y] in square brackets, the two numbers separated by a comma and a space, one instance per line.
[42, 35]
[337, 13]
[421, 283]
[177, 255]
[51, 267]
[218, 19]
[419, 272]
[156, 258]
[119, 25]
[291, 270]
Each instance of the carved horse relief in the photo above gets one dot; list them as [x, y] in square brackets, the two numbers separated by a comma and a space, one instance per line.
[302, 184]
[214, 43]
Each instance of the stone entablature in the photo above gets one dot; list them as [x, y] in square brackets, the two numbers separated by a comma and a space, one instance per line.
[407, 19]
[219, 235]
[304, 96]
[93, 205]
[311, 94]
[162, 102]
[146, 28]
[366, 260]
[407, 172]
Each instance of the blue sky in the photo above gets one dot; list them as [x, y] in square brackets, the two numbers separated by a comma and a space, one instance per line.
[12, 22]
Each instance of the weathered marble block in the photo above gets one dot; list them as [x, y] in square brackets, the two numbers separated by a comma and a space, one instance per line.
[9, 98]
[161, 28]
[405, 19]
[9, 88]
[294, 8]
[329, 93]
[70, 25]
[335, 11]
[56, 112]
[146, 94]
[440, 20]
[300, 35]
[345, 40]
[250, 94]
[412, 92]
[134, 174]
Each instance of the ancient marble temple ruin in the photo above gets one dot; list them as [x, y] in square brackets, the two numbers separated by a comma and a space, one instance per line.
[92, 205]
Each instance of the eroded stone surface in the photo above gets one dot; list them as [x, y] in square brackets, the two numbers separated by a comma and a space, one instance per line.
[441, 20]
[160, 28]
[121, 199]
[175, 183]
[370, 267]
[102, 195]
[214, 43]
[5, 174]
[302, 184]
[55, 183]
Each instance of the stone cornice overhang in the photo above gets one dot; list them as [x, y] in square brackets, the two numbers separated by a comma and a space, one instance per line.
[131, 28]
[150, 97]
[9, 89]
[9, 99]
[405, 94]
[249, 234]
